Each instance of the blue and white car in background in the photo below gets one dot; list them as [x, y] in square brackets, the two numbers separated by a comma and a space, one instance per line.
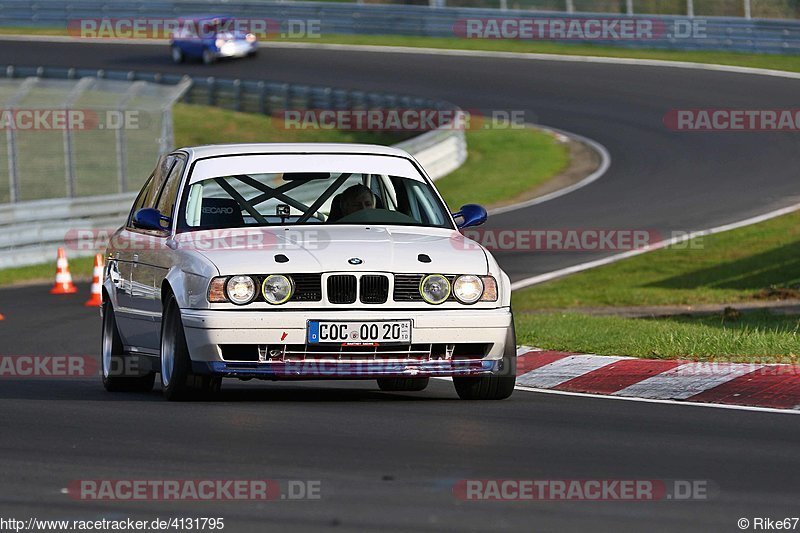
[302, 261]
[209, 38]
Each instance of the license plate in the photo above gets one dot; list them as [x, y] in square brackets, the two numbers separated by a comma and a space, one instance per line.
[380, 332]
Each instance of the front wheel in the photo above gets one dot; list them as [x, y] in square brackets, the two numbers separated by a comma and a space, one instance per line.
[177, 381]
[117, 373]
[497, 387]
[208, 56]
[402, 384]
[485, 388]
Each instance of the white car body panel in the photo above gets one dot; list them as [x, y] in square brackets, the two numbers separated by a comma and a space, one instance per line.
[184, 263]
[274, 163]
[318, 248]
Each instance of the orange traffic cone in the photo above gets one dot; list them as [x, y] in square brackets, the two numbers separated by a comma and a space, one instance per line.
[96, 299]
[63, 277]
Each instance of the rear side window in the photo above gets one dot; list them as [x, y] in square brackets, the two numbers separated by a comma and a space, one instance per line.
[166, 201]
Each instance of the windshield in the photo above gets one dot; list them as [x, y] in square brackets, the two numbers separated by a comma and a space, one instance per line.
[284, 199]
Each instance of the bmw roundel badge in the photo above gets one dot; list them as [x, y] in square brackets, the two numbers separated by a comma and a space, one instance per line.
[355, 261]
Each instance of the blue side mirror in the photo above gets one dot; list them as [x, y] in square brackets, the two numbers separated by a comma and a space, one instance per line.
[150, 219]
[471, 215]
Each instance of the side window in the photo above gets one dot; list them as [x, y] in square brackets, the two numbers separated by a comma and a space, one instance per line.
[143, 194]
[160, 174]
[168, 197]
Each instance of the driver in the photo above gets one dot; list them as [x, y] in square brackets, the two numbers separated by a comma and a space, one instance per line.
[356, 198]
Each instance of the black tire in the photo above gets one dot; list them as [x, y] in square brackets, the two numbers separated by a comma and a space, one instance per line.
[116, 371]
[178, 383]
[208, 57]
[496, 387]
[403, 384]
[177, 54]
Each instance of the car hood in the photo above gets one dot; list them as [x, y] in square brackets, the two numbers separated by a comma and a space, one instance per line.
[337, 248]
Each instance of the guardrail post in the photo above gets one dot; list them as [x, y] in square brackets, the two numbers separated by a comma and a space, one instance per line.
[747, 11]
[690, 8]
[504, 5]
[13, 179]
[69, 160]
[629, 7]
[210, 83]
[166, 131]
[262, 95]
[570, 6]
[237, 94]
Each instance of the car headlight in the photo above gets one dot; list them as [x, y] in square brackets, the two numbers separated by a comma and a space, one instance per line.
[240, 289]
[277, 289]
[468, 288]
[220, 43]
[250, 38]
[434, 289]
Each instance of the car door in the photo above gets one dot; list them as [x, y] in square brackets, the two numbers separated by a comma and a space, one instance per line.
[141, 318]
[119, 266]
[152, 263]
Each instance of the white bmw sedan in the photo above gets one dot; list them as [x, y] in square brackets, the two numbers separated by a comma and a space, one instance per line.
[302, 261]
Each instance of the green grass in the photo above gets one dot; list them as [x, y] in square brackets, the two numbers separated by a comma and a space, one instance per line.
[512, 160]
[733, 266]
[757, 261]
[195, 124]
[768, 61]
[79, 267]
[756, 336]
[777, 62]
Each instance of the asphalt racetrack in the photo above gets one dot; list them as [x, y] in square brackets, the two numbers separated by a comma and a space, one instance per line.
[390, 461]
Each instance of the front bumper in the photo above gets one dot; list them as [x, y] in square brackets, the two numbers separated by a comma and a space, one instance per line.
[348, 370]
[236, 49]
[208, 330]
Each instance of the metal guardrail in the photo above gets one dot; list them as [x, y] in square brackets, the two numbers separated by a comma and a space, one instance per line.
[720, 33]
[30, 231]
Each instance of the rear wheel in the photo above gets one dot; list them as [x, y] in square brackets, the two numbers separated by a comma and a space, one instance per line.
[403, 384]
[117, 371]
[496, 387]
[177, 381]
[177, 54]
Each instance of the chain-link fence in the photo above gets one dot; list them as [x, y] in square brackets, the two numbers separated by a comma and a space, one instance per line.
[81, 137]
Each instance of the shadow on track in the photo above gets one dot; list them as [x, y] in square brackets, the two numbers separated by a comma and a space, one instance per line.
[90, 389]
